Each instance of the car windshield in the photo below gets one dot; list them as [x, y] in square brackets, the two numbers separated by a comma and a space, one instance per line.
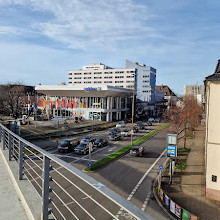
[135, 148]
[98, 140]
[81, 146]
[64, 143]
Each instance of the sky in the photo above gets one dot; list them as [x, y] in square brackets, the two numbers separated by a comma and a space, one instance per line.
[41, 40]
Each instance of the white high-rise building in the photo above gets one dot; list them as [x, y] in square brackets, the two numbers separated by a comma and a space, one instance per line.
[140, 75]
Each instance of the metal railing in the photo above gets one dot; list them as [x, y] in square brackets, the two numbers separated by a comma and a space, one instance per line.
[66, 192]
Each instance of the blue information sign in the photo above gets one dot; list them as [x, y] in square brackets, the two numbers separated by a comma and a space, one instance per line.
[160, 167]
[171, 151]
[89, 164]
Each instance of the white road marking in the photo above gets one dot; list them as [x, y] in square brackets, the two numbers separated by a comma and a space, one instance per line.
[80, 158]
[87, 197]
[111, 149]
[146, 201]
[68, 203]
[144, 176]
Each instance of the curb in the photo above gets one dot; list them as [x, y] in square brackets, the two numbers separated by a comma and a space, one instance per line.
[19, 193]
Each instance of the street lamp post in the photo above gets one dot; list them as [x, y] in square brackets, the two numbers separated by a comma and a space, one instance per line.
[132, 116]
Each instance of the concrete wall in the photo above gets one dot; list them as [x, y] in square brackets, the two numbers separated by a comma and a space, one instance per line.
[213, 140]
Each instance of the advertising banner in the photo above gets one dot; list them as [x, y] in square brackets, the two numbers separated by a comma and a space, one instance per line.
[167, 201]
[185, 215]
[161, 194]
[178, 211]
[193, 217]
[172, 206]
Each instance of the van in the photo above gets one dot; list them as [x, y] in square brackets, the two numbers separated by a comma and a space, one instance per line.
[68, 144]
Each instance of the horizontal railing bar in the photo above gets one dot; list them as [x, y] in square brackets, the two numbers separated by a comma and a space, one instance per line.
[34, 171]
[58, 210]
[32, 179]
[33, 162]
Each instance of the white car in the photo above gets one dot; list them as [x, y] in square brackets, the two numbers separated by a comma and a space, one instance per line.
[151, 120]
[126, 133]
[120, 125]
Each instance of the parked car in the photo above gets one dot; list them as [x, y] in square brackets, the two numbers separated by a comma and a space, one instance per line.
[120, 125]
[68, 144]
[114, 130]
[157, 120]
[126, 132]
[151, 119]
[140, 125]
[82, 148]
[137, 151]
[136, 129]
[115, 136]
[87, 139]
[100, 143]
[149, 123]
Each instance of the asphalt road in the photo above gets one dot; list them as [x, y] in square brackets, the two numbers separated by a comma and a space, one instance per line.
[130, 177]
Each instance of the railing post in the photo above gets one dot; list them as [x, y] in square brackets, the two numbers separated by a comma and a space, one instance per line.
[9, 146]
[45, 188]
[3, 142]
[21, 157]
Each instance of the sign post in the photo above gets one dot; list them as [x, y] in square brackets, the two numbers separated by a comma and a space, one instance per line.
[171, 151]
[160, 174]
[90, 150]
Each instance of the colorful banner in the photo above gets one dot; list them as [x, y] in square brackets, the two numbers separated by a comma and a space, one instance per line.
[161, 194]
[167, 201]
[172, 206]
[178, 210]
[44, 104]
[193, 217]
[185, 215]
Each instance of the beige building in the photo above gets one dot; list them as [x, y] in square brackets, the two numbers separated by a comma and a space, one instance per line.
[212, 142]
[196, 90]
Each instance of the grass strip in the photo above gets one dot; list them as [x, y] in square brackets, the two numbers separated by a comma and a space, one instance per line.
[113, 156]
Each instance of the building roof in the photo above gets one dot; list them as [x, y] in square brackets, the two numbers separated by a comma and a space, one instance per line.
[82, 90]
[166, 89]
[216, 75]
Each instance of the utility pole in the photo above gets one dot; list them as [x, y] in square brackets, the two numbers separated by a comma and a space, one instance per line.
[132, 116]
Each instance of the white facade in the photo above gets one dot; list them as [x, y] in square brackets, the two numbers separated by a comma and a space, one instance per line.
[99, 74]
[107, 103]
[140, 75]
[197, 91]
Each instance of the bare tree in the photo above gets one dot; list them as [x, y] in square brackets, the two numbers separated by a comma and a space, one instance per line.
[187, 117]
[12, 99]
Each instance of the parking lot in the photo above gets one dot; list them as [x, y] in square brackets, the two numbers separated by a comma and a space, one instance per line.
[81, 161]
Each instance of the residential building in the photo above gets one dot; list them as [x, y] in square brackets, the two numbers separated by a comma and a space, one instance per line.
[169, 95]
[106, 103]
[212, 140]
[195, 90]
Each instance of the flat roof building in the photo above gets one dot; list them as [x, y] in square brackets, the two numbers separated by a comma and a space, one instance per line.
[103, 102]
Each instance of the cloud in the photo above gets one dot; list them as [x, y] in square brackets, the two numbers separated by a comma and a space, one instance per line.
[90, 24]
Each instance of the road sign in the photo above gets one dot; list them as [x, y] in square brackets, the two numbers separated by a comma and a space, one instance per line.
[160, 167]
[89, 164]
[171, 151]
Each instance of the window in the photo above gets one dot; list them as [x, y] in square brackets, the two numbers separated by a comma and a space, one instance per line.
[119, 86]
[97, 77]
[117, 72]
[98, 82]
[130, 76]
[108, 77]
[70, 77]
[145, 91]
[77, 77]
[119, 81]
[107, 72]
[147, 81]
[87, 77]
[86, 82]
[70, 73]
[130, 86]
[130, 71]
[107, 81]
[77, 73]
[146, 76]
[129, 81]
[97, 72]
[146, 86]
[87, 73]
[119, 77]
[77, 82]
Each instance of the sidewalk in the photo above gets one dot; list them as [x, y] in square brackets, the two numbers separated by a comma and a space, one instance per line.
[188, 188]
[10, 205]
